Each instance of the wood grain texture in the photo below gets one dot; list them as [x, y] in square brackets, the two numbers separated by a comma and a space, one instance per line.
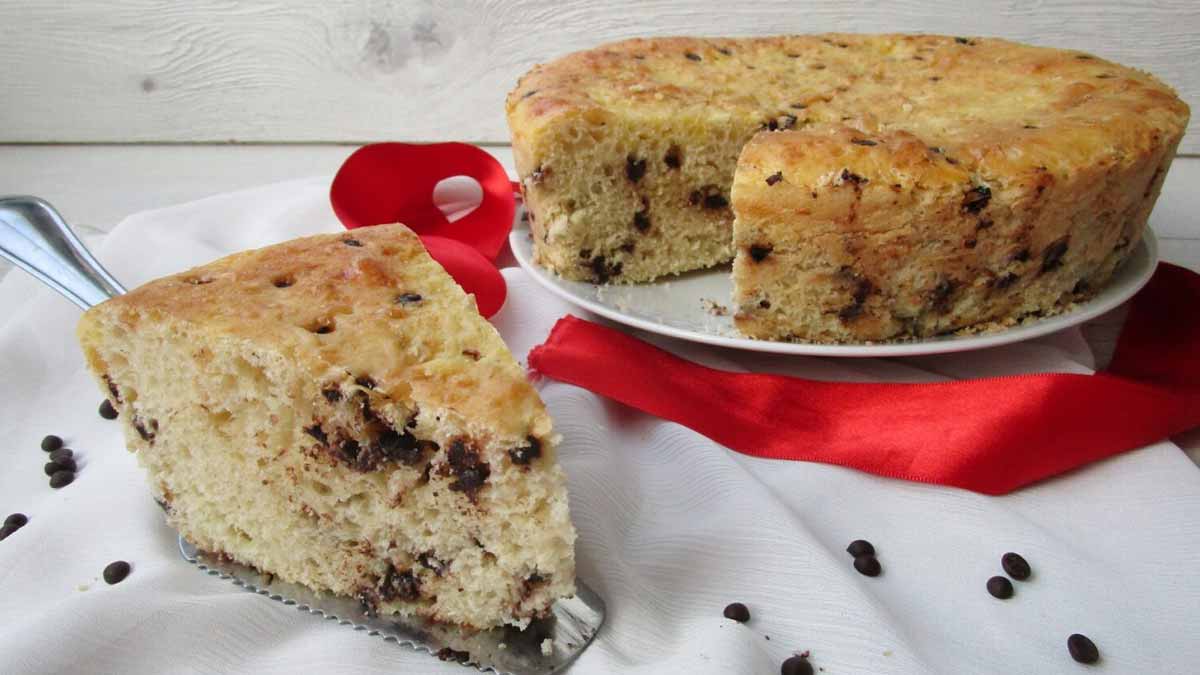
[356, 70]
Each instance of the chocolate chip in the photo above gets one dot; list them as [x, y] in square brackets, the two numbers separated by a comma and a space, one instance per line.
[737, 612]
[107, 411]
[317, 432]
[365, 381]
[1081, 287]
[470, 471]
[860, 547]
[1029, 126]
[970, 243]
[673, 159]
[430, 562]
[1020, 255]
[715, 201]
[863, 141]
[352, 242]
[332, 394]
[775, 178]
[283, 282]
[116, 572]
[850, 177]
[759, 252]
[976, 199]
[585, 253]
[1053, 255]
[1000, 587]
[62, 479]
[764, 304]
[7, 530]
[16, 520]
[692, 56]
[1082, 649]
[349, 449]
[695, 197]
[448, 654]
[796, 665]
[63, 464]
[323, 329]
[641, 220]
[399, 585]
[602, 271]
[858, 294]
[408, 298]
[634, 168]
[525, 454]
[939, 297]
[1015, 566]
[725, 51]
[798, 106]
[867, 565]
[51, 443]
[146, 431]
[963, 41]
[401, 447]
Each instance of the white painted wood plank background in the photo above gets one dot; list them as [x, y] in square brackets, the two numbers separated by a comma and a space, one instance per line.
[361, 70]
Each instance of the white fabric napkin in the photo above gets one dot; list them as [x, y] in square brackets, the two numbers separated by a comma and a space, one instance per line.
[672, 526]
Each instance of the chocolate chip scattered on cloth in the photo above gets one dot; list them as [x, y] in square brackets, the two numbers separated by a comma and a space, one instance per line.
[672, 527]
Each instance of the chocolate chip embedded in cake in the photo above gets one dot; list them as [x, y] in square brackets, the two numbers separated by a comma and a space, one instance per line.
[365, 461]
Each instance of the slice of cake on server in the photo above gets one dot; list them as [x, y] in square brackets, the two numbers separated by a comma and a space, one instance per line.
[333, 410]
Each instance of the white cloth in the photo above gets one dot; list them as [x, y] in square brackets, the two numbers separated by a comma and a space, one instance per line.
[672, 527]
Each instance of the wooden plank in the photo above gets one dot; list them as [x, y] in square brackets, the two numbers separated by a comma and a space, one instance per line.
[351, 70]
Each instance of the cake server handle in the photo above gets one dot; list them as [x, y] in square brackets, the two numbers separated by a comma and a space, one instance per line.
[34, 237]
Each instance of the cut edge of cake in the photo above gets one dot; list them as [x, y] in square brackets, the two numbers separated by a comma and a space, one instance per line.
[333, 410]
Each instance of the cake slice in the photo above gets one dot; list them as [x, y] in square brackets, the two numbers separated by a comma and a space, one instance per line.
[334, 410]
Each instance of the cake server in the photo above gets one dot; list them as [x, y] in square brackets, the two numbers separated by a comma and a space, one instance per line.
[34, 237]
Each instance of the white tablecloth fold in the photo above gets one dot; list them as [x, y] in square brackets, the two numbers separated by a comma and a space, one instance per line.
[672, 526]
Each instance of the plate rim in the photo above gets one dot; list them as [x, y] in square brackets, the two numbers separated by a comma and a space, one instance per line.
[940, 345]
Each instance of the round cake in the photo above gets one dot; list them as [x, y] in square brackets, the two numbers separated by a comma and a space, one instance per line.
[867, 187]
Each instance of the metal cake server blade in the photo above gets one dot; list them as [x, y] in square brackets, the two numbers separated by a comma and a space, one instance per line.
[37, 239]
[570, 628]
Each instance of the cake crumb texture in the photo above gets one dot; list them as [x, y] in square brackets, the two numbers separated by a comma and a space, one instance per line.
[333, 410]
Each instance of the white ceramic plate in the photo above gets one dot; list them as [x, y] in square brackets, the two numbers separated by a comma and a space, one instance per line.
[681, 307]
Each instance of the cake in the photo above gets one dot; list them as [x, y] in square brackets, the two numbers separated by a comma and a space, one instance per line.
[885, 186]
[333, 410]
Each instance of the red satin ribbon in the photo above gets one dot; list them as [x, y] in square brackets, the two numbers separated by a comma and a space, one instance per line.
[394, 182]
[990, 435]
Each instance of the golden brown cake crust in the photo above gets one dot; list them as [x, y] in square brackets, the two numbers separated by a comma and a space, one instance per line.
[998, 109]
[291, 295]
